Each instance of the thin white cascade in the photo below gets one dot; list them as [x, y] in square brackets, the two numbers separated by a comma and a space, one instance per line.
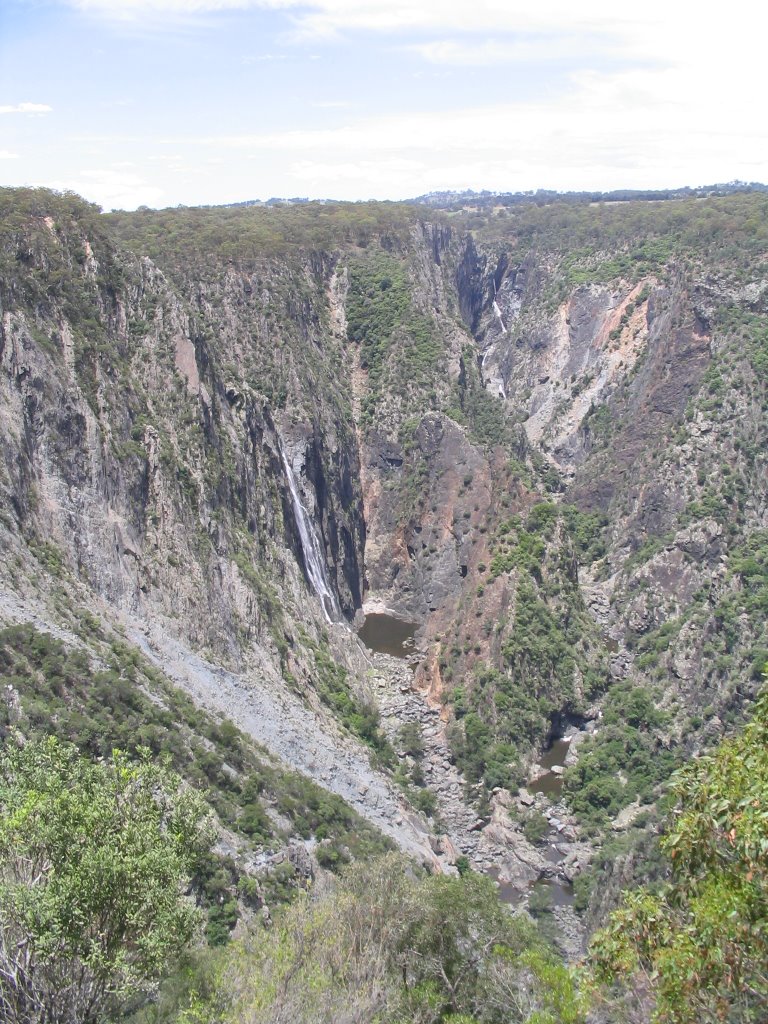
[311, 547]
[496, 309]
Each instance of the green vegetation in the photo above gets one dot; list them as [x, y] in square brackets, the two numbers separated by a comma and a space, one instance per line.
[727, 618]
[251, 283]
[43, 257]
[749, 563]
[378, 302]
[599, 425]
[587, 532]
[524, 545]
[702, 939]
[549, 640]
[540, 647]
[202, 239]
[399, 345]
[625, 761]
[638, 261]
[603, 241]
[51, 252]
[359, 716]
[645, 551]
[496, 720]
[93, 864]
[484, 414]
[411, 740]
[129, 705]
[535, 827]
[49, 556]
[385, 945]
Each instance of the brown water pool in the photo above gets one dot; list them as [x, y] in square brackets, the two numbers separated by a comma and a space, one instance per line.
[387, 635]
[551, 784]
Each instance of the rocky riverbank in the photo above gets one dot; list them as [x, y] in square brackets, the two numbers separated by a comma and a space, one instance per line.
[495, 844]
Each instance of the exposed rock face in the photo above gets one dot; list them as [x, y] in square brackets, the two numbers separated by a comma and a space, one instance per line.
[417, 559]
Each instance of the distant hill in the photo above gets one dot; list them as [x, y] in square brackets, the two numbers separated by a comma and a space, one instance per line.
[447, 200]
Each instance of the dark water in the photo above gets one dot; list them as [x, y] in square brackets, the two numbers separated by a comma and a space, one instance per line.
[560, 891]
[387, 635]
[507, 893]
[552, 854]
[551, 784]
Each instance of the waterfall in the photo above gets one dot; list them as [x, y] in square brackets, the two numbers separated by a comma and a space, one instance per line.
[311, 547]
[497, 311]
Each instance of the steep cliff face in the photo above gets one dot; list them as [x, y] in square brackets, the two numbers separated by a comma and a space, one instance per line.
[145, 448]
[540, 443]
[637, 379]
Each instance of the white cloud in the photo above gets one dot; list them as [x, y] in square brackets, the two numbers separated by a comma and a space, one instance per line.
[111, 187]
[643, 128]
[130, 8]
[660, 98]
[609, 106]
[655, 32]
[6, 154]
[26, 108]
[485, 52]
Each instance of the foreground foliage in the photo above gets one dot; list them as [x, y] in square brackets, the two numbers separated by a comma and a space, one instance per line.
[93, 859]
[702, 941]
[120, 701]
[388, 946]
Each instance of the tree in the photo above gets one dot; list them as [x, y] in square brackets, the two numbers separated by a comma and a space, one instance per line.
[93, 859]
[700, 945]
[389, 945]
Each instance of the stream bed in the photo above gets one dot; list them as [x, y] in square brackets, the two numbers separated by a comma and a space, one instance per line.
[550, 784]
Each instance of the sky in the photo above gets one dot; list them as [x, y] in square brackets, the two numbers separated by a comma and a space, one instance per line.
[168, 102]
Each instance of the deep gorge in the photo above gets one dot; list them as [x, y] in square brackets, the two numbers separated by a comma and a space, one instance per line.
[537, 437]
